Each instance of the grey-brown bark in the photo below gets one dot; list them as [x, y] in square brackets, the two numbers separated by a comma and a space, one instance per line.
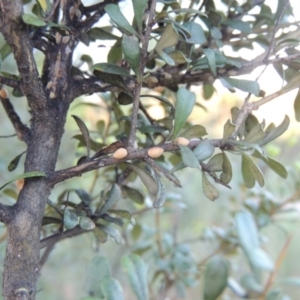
[49, 108]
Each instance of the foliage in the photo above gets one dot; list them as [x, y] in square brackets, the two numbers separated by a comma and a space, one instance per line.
[161, 57]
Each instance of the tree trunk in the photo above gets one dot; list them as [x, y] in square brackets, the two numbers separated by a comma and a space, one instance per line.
[48, 97]
[21, 267]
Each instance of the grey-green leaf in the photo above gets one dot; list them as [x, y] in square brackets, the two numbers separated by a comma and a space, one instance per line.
[215, 164]
[275, 132]
[196, 131]
[168, 38]
[242, 84]
[112, 232]
[204, 150]
[211, 59]
[184, 105]
[118, 18]
[297, 106]
[33, 20]
[133, 194]
[226, 175]
[146, 178]
[86, 223]
[136, 271]
[215, 278]
[228, 130]
[98, 269]
[255, 135]
[247, 230]
[14, 163]
[113, 197]
[70, 219]
[273, 164]
[25, 175]
[260, 259]
[160, 196]
[208, 189]
[111, 68]
[188, 157]
[112, 289]
[85, 133]
[196, 32]
[239, 25]
[139, 7]
[251, 172]
[131, 50]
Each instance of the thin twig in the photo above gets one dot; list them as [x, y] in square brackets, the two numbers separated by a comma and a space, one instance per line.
[272, 42]
[22, 131]
[143, 60]
[163, 171]
[61, 175]
[278, 263]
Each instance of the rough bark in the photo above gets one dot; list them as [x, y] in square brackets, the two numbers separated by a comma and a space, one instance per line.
[49, 108]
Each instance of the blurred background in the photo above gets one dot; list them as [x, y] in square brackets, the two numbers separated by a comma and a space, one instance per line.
[194, 223]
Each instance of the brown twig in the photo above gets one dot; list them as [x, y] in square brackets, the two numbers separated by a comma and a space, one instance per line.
[143, 60]
[163, 171]
[278, 263]
[22, 131]
[61, 175]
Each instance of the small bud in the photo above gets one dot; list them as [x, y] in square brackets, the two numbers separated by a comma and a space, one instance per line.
[3, 93]
[155, 152]
[182, 141]
[120, 153]
[20, 184]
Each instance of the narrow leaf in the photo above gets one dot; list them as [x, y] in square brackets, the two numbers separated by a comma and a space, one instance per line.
[14, 163]
[251, 172]
[33, 20]
[215, 278]
[84, 196]
[112, 232]
[136, 271]
[113, 197]
[188, 157]
[139, 7]
[85, 134]
[208, 189]
[160, 196]
[228, 130]
[131, 50]
[111, 68]
[255, 135]
[133, 194]
[242, 84]
[273, 164]
[118, 18]
[25, 175]
[297, 106]
[226, 175]
[210, 55]
[98, 269]
[215, 164]
[111, 289]
[184, 105]
[146, 178]
[247, 230]
[168, 38]
[274, 132]
[196, 131]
